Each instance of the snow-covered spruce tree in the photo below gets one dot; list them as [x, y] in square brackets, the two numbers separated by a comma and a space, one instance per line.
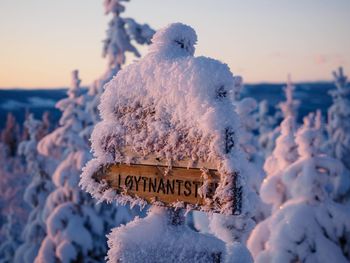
[12, 184]
[46, 125]
[35, 194]
[56, 144]
[289, 107]
[339, 119]
[310, 226]
[181, 110]
[75, 232]
[120, 33]
[285, 109]
[246, 111]
[12, 231]
[10, 135]
[266, 123]
[272, 190]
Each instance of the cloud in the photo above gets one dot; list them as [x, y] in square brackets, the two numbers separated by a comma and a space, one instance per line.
[321, 59]
[275, 54]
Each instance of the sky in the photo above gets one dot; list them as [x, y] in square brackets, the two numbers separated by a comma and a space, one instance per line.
[42, 41]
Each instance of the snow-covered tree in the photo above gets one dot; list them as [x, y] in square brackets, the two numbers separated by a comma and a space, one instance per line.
[339, 119]
[13, 211]
[35, 194]
[10, 135]
[285, 109]
[290, 106]
[75, 232]
[8, 246]
[46, 125]
[120, 33]
[246, 111]
[310, 226]
[58, 143]
[266, 123]
[272, 190]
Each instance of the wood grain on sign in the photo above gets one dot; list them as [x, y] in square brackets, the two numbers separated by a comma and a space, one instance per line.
[157, 183]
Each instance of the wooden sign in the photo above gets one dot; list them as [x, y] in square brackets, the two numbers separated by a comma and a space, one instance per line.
[157, 183]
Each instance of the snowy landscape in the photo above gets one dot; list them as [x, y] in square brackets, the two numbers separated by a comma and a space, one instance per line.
[264, 168]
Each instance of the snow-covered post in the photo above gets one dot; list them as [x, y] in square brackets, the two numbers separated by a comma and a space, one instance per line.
[154, 127]
[339, 120]
[35, 194]
[235, 229]
[310, 226]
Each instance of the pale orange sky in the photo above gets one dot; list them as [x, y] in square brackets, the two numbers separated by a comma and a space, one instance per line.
[262, 40]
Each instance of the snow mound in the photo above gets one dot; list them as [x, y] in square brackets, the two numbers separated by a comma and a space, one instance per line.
[153, 239]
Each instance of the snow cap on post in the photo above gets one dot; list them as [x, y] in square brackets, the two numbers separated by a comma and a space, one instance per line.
[175, 40]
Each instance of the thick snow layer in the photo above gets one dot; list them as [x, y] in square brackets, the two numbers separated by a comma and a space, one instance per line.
[302, 232]
[154, 239]
[310, 226]
[175, 106]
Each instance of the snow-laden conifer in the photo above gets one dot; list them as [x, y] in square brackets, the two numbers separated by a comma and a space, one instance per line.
[272, 190]
[120, 33]
[266, 123]
[35, 194]
[339, 119]
[285, 109]
[75, 232]
[246, 111]
[310, 226]
[11, 239]
[65, 138]
[13, 180]
[290, 106]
